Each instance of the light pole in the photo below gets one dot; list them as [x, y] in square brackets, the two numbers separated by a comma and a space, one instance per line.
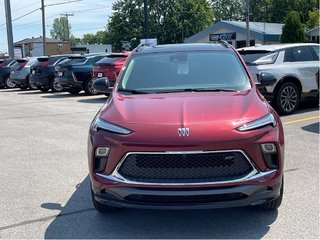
[247, 22]
[9, 28]
[146, 27]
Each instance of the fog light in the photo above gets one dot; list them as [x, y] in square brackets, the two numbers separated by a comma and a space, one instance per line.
[269, 151]
[102, 151]
[268, 148]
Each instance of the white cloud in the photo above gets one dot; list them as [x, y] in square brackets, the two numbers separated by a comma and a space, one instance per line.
[89, 17]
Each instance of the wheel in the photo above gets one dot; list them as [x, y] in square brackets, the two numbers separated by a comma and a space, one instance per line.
[74, 91]
[30, 84]
[55, 86]
[88, 87]
[287, 98]
[102, 207]
[275, 203]
[8, 83]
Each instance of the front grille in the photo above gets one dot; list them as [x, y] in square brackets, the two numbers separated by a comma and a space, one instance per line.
[185, 168]
[185, 199]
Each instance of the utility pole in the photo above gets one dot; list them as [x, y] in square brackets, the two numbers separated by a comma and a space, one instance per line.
[146, 27]
[66, 15]
[247, 22]
[43, 27]
[9, 28]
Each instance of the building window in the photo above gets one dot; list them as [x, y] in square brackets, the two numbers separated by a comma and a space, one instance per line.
[60, 46]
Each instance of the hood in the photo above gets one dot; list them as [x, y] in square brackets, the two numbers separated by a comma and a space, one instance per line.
[204, 113]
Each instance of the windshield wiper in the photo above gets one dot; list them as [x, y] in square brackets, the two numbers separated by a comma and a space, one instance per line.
[133, 91]
[214, 90]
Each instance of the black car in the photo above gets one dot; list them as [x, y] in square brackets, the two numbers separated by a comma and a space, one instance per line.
[5, 69]
[74, 73]
[43, 73]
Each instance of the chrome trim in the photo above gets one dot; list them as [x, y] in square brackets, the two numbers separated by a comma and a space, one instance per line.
[116, 177]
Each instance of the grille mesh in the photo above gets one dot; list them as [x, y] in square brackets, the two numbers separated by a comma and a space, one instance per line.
[185, 168]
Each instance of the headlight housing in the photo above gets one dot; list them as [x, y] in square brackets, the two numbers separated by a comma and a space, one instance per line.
[266, 120]
[98, 123]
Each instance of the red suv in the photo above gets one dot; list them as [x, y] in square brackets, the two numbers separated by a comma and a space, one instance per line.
[185, 127]
[109, 66]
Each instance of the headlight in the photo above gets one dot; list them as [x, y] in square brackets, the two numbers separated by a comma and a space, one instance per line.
[107, 126]
[259, 123]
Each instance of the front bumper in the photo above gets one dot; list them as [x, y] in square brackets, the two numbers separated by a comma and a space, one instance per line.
[40, 81]
[199, 197]
[19, 82]
[69, 83]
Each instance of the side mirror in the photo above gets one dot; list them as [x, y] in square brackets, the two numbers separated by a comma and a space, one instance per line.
[266, 79]
[102, 85]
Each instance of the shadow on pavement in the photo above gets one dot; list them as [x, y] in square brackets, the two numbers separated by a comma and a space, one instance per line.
[314, 128]
[94, 100]
[78, 219]
[64, 95]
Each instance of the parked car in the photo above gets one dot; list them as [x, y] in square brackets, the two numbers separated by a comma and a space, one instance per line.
[109, 66]
[295, 67]
[20, 73]
[43, 73]
[5, 68]
[185, 128]
[74, 74]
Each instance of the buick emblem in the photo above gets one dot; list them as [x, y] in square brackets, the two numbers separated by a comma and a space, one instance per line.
[183, 132]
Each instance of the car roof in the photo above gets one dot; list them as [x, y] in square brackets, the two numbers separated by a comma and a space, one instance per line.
[182, 48]
[275, 47]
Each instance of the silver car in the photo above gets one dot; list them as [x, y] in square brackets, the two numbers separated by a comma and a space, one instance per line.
[296, 71]
[20, 73]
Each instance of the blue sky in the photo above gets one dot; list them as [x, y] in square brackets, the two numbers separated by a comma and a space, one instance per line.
[89, 17]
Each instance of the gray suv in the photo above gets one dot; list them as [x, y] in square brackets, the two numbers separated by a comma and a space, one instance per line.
[296, 68]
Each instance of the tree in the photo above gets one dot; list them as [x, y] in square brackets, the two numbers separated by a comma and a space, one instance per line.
[230, 10]
[170, 21]
[61, 29]
[314, 18]
[293, 30]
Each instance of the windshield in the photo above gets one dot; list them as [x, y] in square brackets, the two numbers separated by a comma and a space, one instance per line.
[182, 71]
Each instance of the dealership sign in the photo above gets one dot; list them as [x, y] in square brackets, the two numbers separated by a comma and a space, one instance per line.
[223, 36]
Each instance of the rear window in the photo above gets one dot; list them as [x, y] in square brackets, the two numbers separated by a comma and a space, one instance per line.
[251, 56]
[31, 62]
[77, 61]
[6, 63]
[111, 59]
[183, 70]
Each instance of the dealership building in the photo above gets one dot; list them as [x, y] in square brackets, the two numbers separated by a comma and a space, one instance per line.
[235, 33]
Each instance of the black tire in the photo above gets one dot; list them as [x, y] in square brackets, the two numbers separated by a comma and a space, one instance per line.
[275, 203]
[8, 83]
[103, 208]
[74, 91]
[55, 86]
[31, 84]
[287, 98]
[87, 87]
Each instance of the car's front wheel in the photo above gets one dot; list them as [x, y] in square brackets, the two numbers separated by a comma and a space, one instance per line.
[100, 207]
[287, 98]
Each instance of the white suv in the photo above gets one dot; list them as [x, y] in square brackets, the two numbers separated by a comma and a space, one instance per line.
[296, 68]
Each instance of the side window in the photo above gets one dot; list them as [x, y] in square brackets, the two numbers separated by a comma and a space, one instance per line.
[317, 51]
[299, 54]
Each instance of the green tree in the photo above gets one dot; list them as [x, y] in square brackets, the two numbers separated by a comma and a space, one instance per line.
[314, 18]
[230, 10]
[293, 30]
[74, 40]
[170, 21]
[61, 29]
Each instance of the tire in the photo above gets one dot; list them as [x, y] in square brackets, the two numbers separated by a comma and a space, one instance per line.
[287, 98]
[31, 84]
[8, 83]
[55, 86]
[103, 208]
[88, 87]
[275, 203]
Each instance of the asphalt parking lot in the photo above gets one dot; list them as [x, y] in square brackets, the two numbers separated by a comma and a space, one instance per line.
[45, 186]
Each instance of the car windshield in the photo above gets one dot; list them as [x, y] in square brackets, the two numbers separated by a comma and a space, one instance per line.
[184, 71]
[252, 56]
